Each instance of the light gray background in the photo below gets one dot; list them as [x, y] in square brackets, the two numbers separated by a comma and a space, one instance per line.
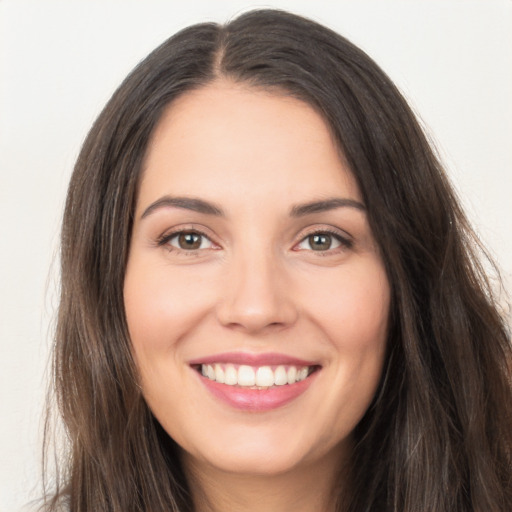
[59, 63]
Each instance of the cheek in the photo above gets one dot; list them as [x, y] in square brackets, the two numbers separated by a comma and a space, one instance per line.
[162, 306]
[352, 312]
[352, 307]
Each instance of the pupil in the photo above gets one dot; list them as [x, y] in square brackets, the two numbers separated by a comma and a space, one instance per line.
[320, 242]
[189, 241]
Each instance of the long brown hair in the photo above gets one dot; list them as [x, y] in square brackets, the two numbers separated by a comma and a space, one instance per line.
[438, 435]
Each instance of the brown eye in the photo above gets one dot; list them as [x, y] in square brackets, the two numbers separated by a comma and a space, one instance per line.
[189, 241]
[320, 241]
[323, 241]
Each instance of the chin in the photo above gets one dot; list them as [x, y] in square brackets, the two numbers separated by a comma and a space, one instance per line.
[259, 453]
[262, 462]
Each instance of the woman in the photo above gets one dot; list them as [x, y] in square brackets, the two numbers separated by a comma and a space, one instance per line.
[270, 296]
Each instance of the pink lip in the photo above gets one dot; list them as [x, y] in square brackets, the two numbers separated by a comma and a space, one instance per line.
[266, 359]
[255, 400]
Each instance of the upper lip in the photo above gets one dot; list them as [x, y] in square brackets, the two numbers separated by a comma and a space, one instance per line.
[251, 359]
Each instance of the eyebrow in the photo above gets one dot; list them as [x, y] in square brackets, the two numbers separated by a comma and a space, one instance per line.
[186, 203]
[205, 207]
[301, 210]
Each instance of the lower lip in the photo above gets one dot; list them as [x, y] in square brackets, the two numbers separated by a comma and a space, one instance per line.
[257, 400]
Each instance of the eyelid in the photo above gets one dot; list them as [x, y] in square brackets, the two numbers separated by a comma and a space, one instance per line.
[176, 237]
[345, 239]
[167, 236]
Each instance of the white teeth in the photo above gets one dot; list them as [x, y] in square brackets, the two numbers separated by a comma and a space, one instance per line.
[248, 376]
[219, 374]
[280, 376]
[265, 376]
[302, 374]
[292, 374]
[231, 375]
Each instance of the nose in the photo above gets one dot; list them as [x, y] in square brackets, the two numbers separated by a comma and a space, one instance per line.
[257, 296]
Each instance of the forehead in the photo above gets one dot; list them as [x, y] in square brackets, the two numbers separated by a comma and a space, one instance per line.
[235, 139]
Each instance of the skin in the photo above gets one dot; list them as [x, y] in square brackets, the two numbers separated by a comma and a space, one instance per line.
[254, 285]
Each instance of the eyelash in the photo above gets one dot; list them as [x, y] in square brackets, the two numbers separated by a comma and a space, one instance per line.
[345, 243]
[164, 240]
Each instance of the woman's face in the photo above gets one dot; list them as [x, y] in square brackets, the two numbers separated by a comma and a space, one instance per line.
[256, 298]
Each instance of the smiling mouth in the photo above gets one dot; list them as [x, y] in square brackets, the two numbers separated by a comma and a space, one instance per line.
[255, 377]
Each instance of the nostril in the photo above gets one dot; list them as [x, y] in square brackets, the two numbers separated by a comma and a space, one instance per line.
[249, 316]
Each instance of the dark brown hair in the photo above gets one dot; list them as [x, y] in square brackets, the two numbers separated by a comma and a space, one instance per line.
[438, 435]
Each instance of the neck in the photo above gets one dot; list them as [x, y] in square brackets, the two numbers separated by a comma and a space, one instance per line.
[311, 488]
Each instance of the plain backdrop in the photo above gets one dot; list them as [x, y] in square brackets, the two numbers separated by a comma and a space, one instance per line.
[61, 61]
